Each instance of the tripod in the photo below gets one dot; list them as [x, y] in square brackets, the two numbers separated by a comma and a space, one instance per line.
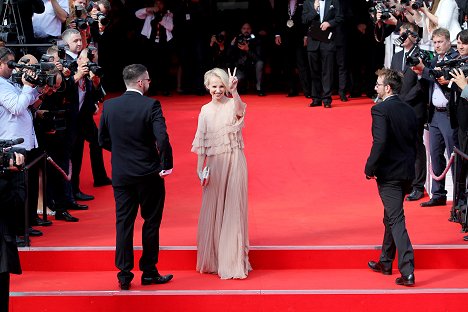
[12, 23]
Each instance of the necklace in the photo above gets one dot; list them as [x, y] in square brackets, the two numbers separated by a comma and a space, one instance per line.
[290, 22]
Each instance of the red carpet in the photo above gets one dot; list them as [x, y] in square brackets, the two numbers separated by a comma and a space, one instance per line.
[314, 222]
[306, 181]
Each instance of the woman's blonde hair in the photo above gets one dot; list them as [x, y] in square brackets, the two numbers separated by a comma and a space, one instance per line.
[218, 73]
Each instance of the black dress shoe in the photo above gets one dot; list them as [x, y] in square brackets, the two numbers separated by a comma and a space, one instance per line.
[156, 279]
[465, 238]
[34, 232]
[66, 216]
[327, 105]
[379, 267]
[292, 94]
[405, 280]
[343, 97]
[82, 196]
[315, 103]
[124, 285]
[104, 182]
[41, 222]
[76, 206]
[440, 201]
[21, 242]
[261, 92]
[415, 195]
[308, 96]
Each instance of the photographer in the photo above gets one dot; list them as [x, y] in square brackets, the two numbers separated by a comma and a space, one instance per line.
[16, 118]
[442, 123]
[441, 14]
[246, 54]
[218, 50]
[11, 200]
[84, 91]
[48, 25]
[157, 42]
[461, 104]
[411, 93]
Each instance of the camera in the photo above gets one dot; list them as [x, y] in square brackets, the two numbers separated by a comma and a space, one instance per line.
[8, 33]
[384, 8]
[81, 23]
[41, 69]
[419, 4]
[220, 37]
[418, 55]
[244, 39]
[53, 122]
[446, 67]
[7, 153]
[93, 67]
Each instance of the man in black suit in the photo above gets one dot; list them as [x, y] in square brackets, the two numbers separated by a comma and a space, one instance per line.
[325, 16]
[391, 162]
[289, 37]
[411, 93]
[133, 128]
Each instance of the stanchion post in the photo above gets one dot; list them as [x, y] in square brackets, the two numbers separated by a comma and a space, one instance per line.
[26, 207]
[44, 187]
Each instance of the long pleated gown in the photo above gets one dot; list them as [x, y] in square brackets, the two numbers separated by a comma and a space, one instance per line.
[222, 240]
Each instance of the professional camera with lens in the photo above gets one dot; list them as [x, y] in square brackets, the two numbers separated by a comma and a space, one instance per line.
[41, 69]
[220, 37]
[53, 122]
[7, 153]
[419, 4]
[93, 67]
[384, 7]
[446, 67]
[8, 33]
[418, 55]
[244, 39]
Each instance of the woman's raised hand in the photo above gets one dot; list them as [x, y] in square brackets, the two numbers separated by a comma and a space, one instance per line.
[232, 80]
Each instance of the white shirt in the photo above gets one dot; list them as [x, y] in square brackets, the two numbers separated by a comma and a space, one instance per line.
[322, 10]
[47, 23]
[16, 120]
[166, 21]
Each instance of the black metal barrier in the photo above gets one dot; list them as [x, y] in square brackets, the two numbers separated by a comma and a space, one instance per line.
[39, 161]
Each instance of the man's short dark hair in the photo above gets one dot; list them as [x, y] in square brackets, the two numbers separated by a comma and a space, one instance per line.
[410, 26]
[106, 4]
[441, 32]
[132, 72]
[4, 52]
[391, 77]
[463, 36]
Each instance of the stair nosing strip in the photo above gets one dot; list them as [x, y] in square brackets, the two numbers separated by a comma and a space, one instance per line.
[102, 293]
[263, 248]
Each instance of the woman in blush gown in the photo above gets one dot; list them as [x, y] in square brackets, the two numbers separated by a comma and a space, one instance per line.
[222, 239]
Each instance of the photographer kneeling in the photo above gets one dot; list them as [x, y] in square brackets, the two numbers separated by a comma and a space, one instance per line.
[11, 199]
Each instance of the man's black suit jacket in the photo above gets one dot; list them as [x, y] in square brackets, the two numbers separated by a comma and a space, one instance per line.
[411, 92]
[133, 128]
[281, 16]
[394, 131]
[332, 15]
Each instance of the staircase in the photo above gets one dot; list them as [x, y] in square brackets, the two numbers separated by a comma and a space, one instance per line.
[302, 278]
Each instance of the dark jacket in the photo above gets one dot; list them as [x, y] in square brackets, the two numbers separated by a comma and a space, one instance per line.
[133, 128]
[411, 91]
[394, 131]
[429, 83]
[332, 15]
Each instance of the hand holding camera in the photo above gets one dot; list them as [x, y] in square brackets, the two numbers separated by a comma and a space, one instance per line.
[459, 78]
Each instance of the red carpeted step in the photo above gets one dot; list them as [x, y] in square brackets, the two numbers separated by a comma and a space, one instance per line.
[266, 258]
[263, 290]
